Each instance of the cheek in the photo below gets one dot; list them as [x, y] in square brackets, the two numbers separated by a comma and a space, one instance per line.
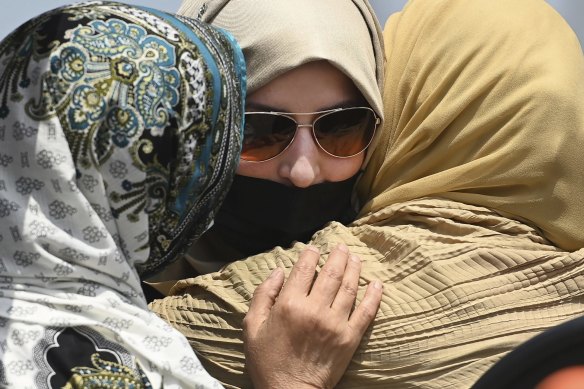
[330, 168]
[340, 169]
[266, 170]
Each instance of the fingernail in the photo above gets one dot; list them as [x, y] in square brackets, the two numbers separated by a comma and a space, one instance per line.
[377, 285]
[355, 258]
[312, 248]
[343, 247]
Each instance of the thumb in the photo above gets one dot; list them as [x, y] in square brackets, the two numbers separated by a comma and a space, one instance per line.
[263, 300]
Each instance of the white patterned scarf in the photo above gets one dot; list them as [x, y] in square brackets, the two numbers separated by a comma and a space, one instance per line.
[120, 130]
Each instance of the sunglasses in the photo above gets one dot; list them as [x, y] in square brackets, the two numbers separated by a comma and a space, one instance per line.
[340, 132]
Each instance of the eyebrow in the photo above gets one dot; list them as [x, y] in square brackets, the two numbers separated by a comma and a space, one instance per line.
[259, 107]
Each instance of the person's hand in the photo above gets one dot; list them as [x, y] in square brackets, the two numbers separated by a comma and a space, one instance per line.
[304, 335]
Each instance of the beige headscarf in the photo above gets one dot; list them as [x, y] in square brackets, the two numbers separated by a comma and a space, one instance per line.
[279, 35]
[488, 113]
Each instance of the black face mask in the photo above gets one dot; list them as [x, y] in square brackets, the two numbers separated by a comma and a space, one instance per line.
[258, 214]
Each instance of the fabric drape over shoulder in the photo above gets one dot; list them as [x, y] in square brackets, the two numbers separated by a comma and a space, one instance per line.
[484, 106]
[473, 215]
[120, 130]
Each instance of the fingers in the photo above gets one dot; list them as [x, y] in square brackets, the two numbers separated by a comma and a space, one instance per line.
[263, 299]
[365, 312]
[302, 274]
[330, 277]
[348, 291]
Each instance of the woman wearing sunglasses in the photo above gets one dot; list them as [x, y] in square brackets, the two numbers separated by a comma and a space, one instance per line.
[472, 216]
[312, 109]
[120, 130]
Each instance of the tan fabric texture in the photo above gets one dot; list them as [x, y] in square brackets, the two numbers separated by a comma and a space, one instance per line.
[473, 216]
[280, 35]
[462, 286]
[484, 104]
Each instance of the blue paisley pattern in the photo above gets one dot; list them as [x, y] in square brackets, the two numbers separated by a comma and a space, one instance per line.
[120, 131]
[115, 60]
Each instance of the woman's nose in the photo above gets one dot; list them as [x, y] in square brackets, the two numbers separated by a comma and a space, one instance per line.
[301, 161]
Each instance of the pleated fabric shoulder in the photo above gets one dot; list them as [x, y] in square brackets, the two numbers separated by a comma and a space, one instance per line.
[463, 286]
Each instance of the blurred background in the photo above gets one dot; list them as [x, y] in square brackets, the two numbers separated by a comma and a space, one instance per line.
[571, 10]
[18, 11]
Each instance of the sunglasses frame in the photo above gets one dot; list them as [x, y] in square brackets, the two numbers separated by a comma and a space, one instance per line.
[320, 114]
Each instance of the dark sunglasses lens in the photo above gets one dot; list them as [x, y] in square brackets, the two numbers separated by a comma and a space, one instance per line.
[266, 135]
[345, 133]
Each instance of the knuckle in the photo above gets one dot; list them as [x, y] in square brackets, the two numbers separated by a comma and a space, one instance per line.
[336, 331]
[323, 324]
[318, 326]
[304, 269]
[259, 290]
[310, 318]
[349, 289]
[288, 306]
[368, 312]
[332, 273]
[347, 342]
[265, 291]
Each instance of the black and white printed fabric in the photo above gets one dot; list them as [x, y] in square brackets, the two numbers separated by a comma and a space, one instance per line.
[120, 130]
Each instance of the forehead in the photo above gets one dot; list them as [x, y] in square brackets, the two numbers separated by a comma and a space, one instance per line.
[310, 87]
